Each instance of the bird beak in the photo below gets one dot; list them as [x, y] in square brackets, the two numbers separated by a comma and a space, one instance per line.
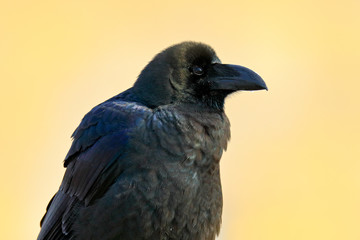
[234, 78]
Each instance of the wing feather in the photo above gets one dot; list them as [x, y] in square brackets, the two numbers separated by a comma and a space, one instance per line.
[93, 163]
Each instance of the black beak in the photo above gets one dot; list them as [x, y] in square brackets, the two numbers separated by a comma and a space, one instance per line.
[234, 78]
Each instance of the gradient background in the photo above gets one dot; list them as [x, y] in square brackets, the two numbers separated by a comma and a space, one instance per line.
[292, 167]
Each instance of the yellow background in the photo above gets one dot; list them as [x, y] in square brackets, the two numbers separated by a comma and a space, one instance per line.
[292, 170]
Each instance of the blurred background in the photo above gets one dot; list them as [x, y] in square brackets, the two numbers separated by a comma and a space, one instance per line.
[292, 167]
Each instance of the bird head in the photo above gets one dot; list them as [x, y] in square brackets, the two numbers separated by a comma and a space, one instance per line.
[191, 72]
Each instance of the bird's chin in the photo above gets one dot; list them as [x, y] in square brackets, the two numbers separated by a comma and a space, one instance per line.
[221, 94]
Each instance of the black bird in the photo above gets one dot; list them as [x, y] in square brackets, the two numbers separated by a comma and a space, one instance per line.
[145, 163]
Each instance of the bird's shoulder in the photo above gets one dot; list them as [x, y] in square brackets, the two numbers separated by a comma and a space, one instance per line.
[118, 114]
[94, 160]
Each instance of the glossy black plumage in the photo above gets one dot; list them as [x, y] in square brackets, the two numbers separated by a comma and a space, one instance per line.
[145, 163]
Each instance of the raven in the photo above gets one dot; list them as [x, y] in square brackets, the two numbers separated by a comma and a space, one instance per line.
[145, 163]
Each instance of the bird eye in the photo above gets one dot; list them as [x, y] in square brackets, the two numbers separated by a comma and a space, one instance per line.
[198, 70]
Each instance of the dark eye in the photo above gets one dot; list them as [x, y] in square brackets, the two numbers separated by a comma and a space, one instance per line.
[198, 70]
